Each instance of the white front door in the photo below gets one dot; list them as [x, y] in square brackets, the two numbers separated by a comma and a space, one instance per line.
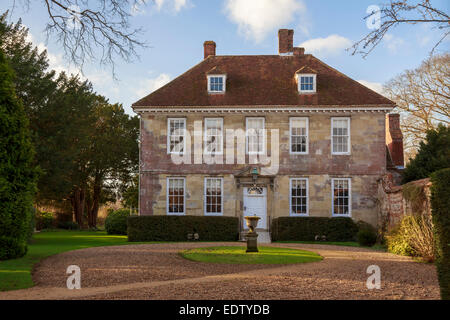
[255, 204]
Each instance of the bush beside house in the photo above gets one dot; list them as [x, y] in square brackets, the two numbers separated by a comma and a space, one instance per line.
[440, 206]
[116, 222]
[307, 228]
[177, 228]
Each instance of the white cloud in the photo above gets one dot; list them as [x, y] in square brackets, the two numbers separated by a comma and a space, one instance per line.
[375, 86]
[56, 61]
[392, 42]
[256, 18]
[176, 5]
[147, 86]
[331, 45]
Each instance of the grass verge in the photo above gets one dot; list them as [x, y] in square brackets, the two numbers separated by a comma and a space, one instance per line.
[16, 273]
[237, 255]
[378, 247]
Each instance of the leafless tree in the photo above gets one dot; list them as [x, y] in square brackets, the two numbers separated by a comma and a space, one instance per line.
[422, 97]
[94, 30]
[403, 12]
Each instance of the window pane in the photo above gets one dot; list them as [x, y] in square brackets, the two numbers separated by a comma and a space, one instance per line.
[299, 196]
[341, 136]
[213, 195]
[175, 195]
[255, 135]
[341, 197]
[298, 135]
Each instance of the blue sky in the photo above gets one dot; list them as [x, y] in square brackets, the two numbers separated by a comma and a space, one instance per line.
[176, 29]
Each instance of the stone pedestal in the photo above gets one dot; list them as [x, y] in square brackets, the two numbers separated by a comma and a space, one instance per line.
[252, 243]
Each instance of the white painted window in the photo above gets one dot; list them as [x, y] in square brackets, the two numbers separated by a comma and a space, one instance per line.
[306, 83]
[340, 135]
[255, 135]
[298, 136]
[176, 196]
[176, 131]
[341, 195]
[298, 198]
[216, 83]
[213, 135]
[213, 196]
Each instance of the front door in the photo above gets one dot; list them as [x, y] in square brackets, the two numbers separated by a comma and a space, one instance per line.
[255, 204]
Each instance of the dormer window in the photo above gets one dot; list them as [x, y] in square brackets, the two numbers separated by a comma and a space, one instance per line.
[217, 83]
[306, 83]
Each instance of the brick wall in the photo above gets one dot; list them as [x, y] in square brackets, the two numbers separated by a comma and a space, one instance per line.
[392, 204]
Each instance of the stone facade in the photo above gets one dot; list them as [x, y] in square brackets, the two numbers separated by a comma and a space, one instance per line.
[365, 165]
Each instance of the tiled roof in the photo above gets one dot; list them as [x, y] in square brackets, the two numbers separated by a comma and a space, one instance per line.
[264, 80]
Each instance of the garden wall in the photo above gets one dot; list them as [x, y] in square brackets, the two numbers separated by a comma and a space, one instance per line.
[398, 201]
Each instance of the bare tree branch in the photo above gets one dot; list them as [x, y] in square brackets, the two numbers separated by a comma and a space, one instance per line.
[422, 97]
[94, 30]
[402, 12]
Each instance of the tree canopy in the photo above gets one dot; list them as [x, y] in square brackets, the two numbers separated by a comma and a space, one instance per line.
[85, 146]
[433, 155]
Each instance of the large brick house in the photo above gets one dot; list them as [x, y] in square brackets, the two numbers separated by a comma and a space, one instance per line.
[267, 135]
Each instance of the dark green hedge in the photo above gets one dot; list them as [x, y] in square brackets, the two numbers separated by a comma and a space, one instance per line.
[440, 206]
[116, 221]
[176, 228]
[306, 228]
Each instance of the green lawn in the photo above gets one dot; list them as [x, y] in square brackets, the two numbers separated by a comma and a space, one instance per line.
[237, 255]
[338, 243]
[16, 273]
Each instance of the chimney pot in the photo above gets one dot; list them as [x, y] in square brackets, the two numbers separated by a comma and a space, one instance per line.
[209, 48]
[299, 51]
[285, 41]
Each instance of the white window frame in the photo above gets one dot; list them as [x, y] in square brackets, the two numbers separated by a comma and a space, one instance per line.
[263, 151]
[221, 198]
[349, 146]
[349, 198]
[168, 136]
[291, 212]
[290, 135]
[299, 75]
[224, 80]
[205, 136]
[184, 197]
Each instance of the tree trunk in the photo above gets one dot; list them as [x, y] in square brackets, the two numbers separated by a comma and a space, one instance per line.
[93, 212]
[78, 204]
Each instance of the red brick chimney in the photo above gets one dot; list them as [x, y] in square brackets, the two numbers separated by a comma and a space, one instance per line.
[394, 139]
[209, 48]
[285, 41]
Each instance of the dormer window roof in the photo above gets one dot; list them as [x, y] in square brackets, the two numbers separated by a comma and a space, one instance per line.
[306, 80]
[217, 83]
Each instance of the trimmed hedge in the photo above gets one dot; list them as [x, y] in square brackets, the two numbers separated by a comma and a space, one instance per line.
[12, 248]
[306, 228]
[116, 221]
[176, 228]
[440, 206]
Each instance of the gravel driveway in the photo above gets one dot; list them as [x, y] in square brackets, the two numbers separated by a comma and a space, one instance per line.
[156, 271]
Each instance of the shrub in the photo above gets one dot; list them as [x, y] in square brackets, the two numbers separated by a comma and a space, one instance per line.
[116, 221]
[11, 248]
[440, 204]
[306, 228]
[176, 228]
[68, 225]
[412, 237]
[45, 220]
[366, 237]
[18, 173]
